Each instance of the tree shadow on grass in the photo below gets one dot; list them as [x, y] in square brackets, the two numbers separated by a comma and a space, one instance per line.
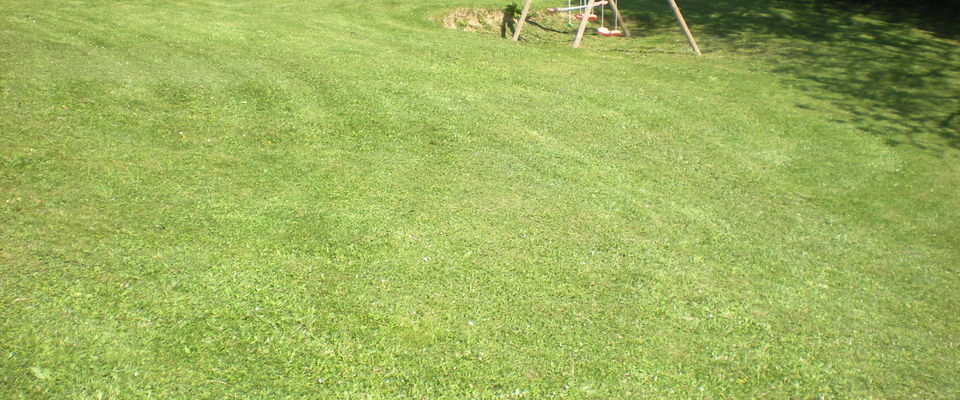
[893, 81]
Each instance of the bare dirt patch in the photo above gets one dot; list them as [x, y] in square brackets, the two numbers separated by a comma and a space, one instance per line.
[540, 26]
[475, 19]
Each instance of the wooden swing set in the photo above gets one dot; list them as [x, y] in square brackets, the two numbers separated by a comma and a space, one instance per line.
[587, 15]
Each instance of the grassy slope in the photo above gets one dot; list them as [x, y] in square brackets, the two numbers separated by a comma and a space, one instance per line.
[209, 199]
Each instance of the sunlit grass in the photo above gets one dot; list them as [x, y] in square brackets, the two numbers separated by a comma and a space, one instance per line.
[211, 199]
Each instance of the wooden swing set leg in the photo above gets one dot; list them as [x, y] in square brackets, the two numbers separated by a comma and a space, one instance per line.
[523, 18]
[683, 26]
[583, 23]
[616, 11]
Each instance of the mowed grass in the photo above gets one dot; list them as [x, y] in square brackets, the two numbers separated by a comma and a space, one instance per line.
[302, 199]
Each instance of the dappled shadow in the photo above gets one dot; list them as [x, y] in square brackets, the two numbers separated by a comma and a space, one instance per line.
[509, 26]
[546, 28]
[893, 81]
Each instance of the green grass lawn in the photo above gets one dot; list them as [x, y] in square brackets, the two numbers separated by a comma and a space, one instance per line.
[318, 199]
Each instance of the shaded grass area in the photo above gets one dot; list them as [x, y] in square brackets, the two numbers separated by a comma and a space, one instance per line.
[292, 199]
[891, 79]
[875, 70]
